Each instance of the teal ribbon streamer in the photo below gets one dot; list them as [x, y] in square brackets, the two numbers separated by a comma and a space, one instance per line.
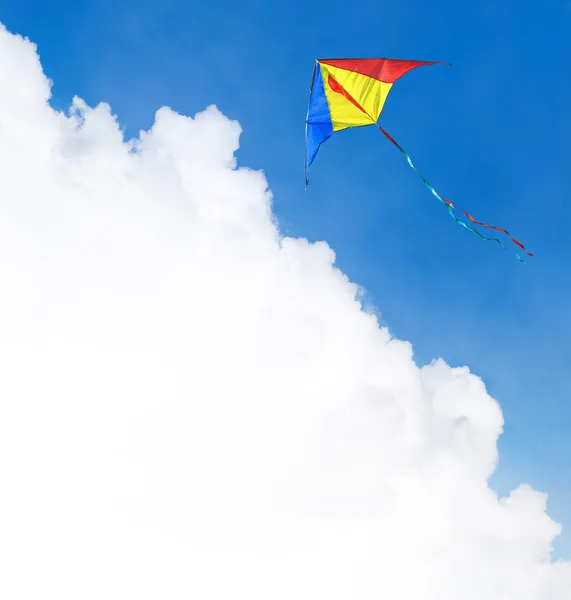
[435, 193]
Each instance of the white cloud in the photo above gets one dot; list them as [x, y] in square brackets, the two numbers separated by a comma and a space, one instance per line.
[192, 406]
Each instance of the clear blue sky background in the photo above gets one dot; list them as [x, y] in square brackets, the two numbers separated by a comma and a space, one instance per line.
[491, 133]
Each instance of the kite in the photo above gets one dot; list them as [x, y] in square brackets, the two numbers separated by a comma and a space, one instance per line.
[351, 92]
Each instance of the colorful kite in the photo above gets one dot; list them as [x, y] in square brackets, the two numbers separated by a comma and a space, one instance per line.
[351, 92]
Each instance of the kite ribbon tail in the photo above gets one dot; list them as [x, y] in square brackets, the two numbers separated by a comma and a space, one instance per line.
[449, 204]
[497, 229]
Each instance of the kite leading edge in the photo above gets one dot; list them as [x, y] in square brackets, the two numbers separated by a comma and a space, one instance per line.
[351, 92]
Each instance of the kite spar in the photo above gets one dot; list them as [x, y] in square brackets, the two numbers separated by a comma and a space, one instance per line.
[351, 92]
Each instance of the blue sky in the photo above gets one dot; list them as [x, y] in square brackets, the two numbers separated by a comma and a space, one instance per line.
[490, 133]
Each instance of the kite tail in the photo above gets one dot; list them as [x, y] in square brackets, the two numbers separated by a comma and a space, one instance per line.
[497, 229]
[450, 206]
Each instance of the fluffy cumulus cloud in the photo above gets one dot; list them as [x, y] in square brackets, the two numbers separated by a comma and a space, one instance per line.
[194, 406]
